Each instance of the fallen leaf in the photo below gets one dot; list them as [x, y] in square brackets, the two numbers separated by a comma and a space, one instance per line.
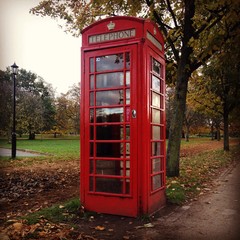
[18, 226]
[3, 236]
[148, 225]
[99, 228]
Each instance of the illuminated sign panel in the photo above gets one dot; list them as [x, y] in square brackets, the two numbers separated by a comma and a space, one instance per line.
[111, 36]
[154, 40]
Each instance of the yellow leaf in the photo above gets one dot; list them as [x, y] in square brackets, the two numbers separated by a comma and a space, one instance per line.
[99, 228]
[18, 226]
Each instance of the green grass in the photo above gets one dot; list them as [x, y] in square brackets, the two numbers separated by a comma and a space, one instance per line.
[196, 172]
[69, 148]
[65, 212]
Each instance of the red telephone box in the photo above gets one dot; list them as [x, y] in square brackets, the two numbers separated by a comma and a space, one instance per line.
[123, 117]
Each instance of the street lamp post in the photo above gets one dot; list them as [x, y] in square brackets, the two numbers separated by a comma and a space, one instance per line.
[14, 137]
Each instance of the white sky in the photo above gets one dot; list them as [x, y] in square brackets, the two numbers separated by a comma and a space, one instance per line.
[38, 45]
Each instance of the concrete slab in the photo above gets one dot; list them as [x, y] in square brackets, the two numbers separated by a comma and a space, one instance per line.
[6, 152]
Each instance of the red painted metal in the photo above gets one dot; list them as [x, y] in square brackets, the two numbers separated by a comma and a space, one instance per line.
[123, 166]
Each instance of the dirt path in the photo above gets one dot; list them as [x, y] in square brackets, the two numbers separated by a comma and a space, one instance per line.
[214, 216]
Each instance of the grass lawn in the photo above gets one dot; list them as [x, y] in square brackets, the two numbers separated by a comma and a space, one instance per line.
[196, 172]
[57, 147]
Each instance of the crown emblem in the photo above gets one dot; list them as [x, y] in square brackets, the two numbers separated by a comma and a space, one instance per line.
[111, 26]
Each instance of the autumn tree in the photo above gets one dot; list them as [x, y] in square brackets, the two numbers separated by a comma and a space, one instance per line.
[6, 86]
[193, 31]
[223, 81]
[74, 108]
[35, 108]
[68, 111]
[61, 116]
[193, 121]
[29, 114]
[35, 103]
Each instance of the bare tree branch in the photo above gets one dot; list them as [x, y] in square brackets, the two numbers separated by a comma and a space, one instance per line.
[172, 13]
[164, 30]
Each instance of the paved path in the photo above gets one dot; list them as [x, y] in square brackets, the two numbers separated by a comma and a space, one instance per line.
[5, 152]
[215, 216]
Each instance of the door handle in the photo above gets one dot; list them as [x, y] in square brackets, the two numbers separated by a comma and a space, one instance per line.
[134, 113]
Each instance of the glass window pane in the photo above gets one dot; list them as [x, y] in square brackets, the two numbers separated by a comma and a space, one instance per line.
[128, 96]
[91, 132]
[128, 149]
[109, 115]
[92, 82]
[91, 149]
[156, 182]
[105, 167]
[127, 132]
[91, 170]
[156, 148]
[91, 184]
[91, 65]
[108, 80]
[121, 133]
[108, 150]
[91, 98]
[128, 168]
[128, 80]
[110, 62]
[105, 98]
[109, 132]
[127, 186]
[156, 165]
[91, 115]
[155, 99]
[155, 116]
[161, 86]
[155, 84]
[155, 133]
[109, 185]
[156, 67]
[127, 60]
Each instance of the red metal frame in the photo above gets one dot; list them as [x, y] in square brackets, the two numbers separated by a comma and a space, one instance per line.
[117, 171]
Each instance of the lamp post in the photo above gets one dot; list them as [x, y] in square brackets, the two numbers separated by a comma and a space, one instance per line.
[14, 138]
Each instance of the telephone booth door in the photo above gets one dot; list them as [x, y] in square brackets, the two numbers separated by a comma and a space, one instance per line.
[110, 173]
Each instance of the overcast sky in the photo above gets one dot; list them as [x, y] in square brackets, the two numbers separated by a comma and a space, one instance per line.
[37, 44]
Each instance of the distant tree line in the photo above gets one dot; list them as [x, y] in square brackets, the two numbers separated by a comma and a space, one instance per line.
[37, 108]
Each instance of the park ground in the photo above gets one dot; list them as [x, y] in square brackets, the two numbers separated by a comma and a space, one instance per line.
[28, 189]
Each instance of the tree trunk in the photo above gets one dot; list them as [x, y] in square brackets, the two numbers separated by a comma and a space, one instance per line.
[225, 126]
[218, 133]
[187, 134]
[212, 133]
[31, 136]
[175, 131]
[183, 74]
